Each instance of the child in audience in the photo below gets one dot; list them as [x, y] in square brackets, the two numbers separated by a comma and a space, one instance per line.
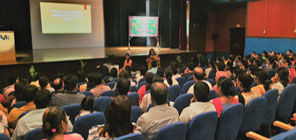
[87, 105]
[118, 121]
[226, 90]
[55, 125]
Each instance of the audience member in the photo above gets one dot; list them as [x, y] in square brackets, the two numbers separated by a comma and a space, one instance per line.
[33, 119]
[261, 79]
[29, 96]
[158, 116]
[143, 89]
[70, 95]
[58, 85]
[122, 86]
[82, 81]
[87, 106]
[127, 75]
[174, 67]
[114, 75]
[226, 90]
[200, 103]
[153, 68]
[100, 86]
[169, 80]
[244, 83]
[198, 76]
[55, 124]
[280, 80]
[118, 121]
[12, 80]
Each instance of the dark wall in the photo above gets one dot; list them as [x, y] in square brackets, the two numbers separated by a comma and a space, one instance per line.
[15, 16]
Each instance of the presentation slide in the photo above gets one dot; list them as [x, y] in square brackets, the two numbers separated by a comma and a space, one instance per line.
[65, 18]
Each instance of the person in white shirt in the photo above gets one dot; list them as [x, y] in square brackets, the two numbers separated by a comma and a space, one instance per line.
[198, 76]
[169, 81]
[200, 103]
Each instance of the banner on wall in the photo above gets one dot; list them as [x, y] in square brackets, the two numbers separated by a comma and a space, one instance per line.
[143, 26]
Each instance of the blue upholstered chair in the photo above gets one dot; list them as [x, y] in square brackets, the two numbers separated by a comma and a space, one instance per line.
[175, 131]
[141, 84]
[110, 93]
[101, 103]
[133, 89]
[253, 115]
[271, 104]
[4, 136]
[134, 98]
[229, 122]
[190, 78]
[213, 95]
[111, 84]
[87, 93]
[17, 105]
[136, 113]
[212, 81]
[84, 123]
[142, 80]
[72, 111]
[134, 136]
[286, 103]
[203, 126]
[35, 134]
[182, 101]
[174, 92]
[187, 85]
[181, 81]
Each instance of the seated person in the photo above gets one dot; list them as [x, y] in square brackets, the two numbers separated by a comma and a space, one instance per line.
[100, 86]
[244, 83]
[122, 86]
[146, 101]
[199, 103]
[33, 119]
[154, 67]
[198, 76]
[226, 90]
[87, 106]
[143, 89]
[70, 95]
[55, 124]
[260, 78]
[118, 121]
[152, 56]
[169, 80]
[280, 80]
[58, 85]
[159, 115]
[29, 96]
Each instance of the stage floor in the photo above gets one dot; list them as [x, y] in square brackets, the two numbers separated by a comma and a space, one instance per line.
[59, 55]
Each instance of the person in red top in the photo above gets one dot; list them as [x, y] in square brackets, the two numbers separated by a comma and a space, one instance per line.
[226, 90]
[142, 90]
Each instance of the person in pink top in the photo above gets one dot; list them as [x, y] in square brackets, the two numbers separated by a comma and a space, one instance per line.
[55, 125]
[226, 91]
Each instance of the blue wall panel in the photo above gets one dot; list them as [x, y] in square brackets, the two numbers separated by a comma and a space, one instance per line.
[259, 45]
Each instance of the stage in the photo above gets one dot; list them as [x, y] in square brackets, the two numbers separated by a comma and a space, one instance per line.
[60, 55]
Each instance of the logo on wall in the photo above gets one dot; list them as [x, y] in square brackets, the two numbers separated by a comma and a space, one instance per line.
[4, 37]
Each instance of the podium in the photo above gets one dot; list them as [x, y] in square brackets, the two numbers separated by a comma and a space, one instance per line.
[7, 48]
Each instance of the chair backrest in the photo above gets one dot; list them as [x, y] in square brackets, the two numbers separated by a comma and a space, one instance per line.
[84, 123]
[286, 103]
[134, 98]
[229, 122]
[134, 136]
[181, 81]
[35, 134]
[111, 84]
[190, 78]
[141, 80]
[182, 101]
[141, 84]
[203, 126]
[174, 131]
[4, 136]
[213, 95]
[253, 115]
[133, 89]
[271, 104]
[72, 111]
[17, 105]
[212, 81]
[110, 93]
[187, 85]
[174, 92]
[87, 93]
[289, 135]
[101, 103]
[136, 113]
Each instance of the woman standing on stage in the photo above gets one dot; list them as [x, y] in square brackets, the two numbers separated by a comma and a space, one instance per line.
[152, 56]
